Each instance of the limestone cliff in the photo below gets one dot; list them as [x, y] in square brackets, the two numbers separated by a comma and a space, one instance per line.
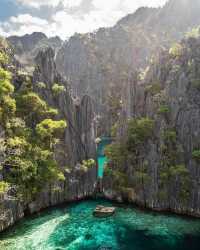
[77, 144]
[163, 173]
[26, 47]
[96, 62]
[126, 46]
[124, 75]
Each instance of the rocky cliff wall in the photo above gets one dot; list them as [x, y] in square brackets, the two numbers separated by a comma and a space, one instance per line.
[77, 145]
[96, 62]
[167, 163]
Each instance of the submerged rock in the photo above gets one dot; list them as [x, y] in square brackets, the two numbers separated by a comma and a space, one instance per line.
[88, 236]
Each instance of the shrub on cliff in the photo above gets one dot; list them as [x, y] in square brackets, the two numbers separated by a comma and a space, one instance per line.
[194, 33]
[6, 88]
[33, 108]
[153, 89]
[172, 171]
[196, 155]
[163, 109]
[119, 153]
[7, 103]
[3, 187]
[176, 50]
[49, 130]
[29, 163]
[87, 164]
[139, 130]
[41, 85]
[58, 89]
[116, 153]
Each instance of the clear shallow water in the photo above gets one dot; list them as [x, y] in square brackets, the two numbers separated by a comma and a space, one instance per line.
[74, 228]
[102, 159]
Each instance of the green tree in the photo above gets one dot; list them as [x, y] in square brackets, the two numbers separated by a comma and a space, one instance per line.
[6, 88]
[196, 155]
[7, 103]
[33, 108]
[139, 131]
[116, 153]
[172, 173]
[58, 88]
[48, 130]
[176, 50]
[3, 187]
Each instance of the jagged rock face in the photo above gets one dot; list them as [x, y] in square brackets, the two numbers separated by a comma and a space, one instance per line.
[175, 17]
[78, 186]
[77, 144]
[46, 67]
[79, 140]
[94, 61]
[179, 78]
[182, 14]
[27, 42]
[87, 125]
[10, 211]
[27, 47]
[80, 134]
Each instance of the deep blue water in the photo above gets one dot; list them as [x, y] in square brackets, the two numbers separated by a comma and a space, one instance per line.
[73, 227]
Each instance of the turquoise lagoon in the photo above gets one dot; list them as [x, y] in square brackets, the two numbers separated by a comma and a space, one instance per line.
[102, 159]
[73, 227]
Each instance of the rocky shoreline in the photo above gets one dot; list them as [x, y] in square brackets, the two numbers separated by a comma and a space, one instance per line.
[117, 197]
[12, 210]
[15, 211]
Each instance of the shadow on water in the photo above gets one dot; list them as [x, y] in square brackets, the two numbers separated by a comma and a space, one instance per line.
[74, 228]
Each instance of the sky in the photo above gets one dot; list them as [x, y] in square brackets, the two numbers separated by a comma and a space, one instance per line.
[64, 17]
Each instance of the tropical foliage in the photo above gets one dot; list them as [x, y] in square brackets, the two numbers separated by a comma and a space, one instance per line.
[30, 136]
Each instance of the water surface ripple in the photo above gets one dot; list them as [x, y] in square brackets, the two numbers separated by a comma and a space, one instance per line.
[73, 227]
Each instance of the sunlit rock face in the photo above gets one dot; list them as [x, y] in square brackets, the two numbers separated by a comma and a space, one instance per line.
[80, 134]
[90, 66]
[178, 78]
[96, 62]
[77, 144]
[92, 61]
[79, 139]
